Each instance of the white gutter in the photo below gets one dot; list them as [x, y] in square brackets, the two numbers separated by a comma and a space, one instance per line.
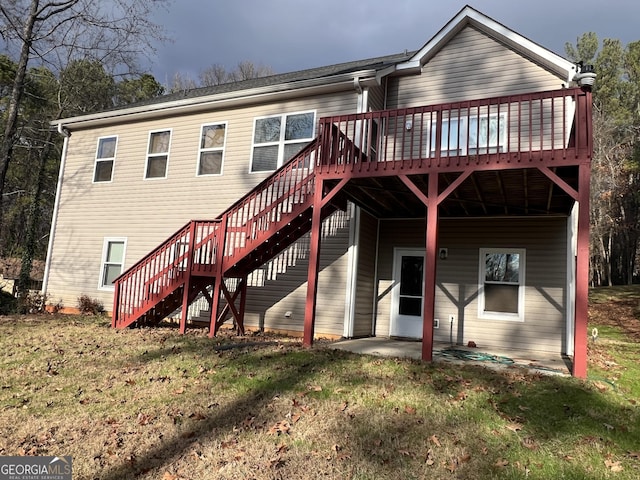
[54, 218]
[220, 100]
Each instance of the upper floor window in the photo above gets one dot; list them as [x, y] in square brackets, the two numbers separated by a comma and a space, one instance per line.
[105, 158]
[501, 283]
[112, 261]
[158, 154]
[470, 135]
[211, 151]
[276, 139]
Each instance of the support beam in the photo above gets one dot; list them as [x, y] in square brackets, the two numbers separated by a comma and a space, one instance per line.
[314, 265]
[241, 290]
[582, 276]
[430, 269]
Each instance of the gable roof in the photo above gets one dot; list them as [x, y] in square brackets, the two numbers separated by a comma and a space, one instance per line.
[469, 16]
[332, 78]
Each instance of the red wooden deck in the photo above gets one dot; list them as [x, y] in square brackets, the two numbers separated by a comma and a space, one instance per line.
[512, 155]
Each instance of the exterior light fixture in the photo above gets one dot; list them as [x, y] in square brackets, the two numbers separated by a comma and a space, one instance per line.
[585, 75]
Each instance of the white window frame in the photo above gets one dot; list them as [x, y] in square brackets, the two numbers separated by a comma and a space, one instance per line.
[105, 159]
[151, 155]
[518, 317]
[281, 142]
[103, 261]
[462, 138]
[202, 150]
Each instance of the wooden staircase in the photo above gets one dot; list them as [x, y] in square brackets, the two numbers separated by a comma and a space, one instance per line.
[255, 229]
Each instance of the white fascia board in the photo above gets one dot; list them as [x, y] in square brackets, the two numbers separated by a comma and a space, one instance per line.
[470, 16]
[237, 98]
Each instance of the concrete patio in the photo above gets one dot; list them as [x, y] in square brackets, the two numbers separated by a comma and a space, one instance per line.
[540, 362]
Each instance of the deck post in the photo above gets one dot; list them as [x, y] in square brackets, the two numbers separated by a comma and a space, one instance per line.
[213, 307]
[430, 269]
[243, 303]
[314, 265]
[116, 305]
[582, 277]
[187, 278]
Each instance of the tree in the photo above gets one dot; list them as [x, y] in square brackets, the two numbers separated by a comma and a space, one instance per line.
[131, 90]
[615, 197]
[57, 32]
[217, 74]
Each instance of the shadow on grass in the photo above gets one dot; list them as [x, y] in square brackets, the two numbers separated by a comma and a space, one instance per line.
[293, 378]
[552, 410]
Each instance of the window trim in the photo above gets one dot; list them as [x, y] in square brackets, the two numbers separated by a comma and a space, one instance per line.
[463, 140]
[103, 262]
[213, 149]
[106, 159]
[149, 155]
[281, 142]
[488, 315]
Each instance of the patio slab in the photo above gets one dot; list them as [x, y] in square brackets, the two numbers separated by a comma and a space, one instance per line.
[540, 362]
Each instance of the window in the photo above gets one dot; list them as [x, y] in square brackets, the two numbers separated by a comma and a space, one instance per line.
[112, 261]
[158, 154]
[502, 283]
[105, 156]
[211, 153]
[278, 138]
[470, 135]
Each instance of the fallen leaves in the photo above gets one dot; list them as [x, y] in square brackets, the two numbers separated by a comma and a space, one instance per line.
[614, 466]
[282, 427]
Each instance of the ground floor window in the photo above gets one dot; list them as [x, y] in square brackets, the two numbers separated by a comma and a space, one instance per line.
[501, 283]
[112, 261]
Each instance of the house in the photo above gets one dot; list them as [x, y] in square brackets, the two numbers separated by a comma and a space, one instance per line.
[440, 194]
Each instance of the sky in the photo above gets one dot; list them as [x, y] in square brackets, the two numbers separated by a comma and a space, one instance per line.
[289, 35]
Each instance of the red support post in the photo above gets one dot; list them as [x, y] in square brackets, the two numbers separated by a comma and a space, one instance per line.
[582, 277]
[215, 302]
[314, 265]
[430, 269]
[187, 278]
[243, 303]
[116, 306]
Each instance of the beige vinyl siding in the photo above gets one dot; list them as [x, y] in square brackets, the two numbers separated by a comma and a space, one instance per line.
[365, 279]
[376, 98]
[544, 241]
[472, 65]
[280, 303]
[147, 211]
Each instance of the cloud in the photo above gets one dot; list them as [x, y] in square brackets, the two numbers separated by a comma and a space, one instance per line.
[292, 35]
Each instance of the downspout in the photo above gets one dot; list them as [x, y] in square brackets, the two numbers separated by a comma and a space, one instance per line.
[354, 235]
[54, 218]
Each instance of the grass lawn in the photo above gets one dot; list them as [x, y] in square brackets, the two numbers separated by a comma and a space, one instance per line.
[152, 404]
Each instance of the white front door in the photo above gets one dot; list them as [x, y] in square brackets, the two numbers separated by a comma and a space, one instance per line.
[407, 295]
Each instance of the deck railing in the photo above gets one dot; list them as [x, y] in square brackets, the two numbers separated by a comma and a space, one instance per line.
[206, 246]
[158, 273]
[511, 128]
[272, 203]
